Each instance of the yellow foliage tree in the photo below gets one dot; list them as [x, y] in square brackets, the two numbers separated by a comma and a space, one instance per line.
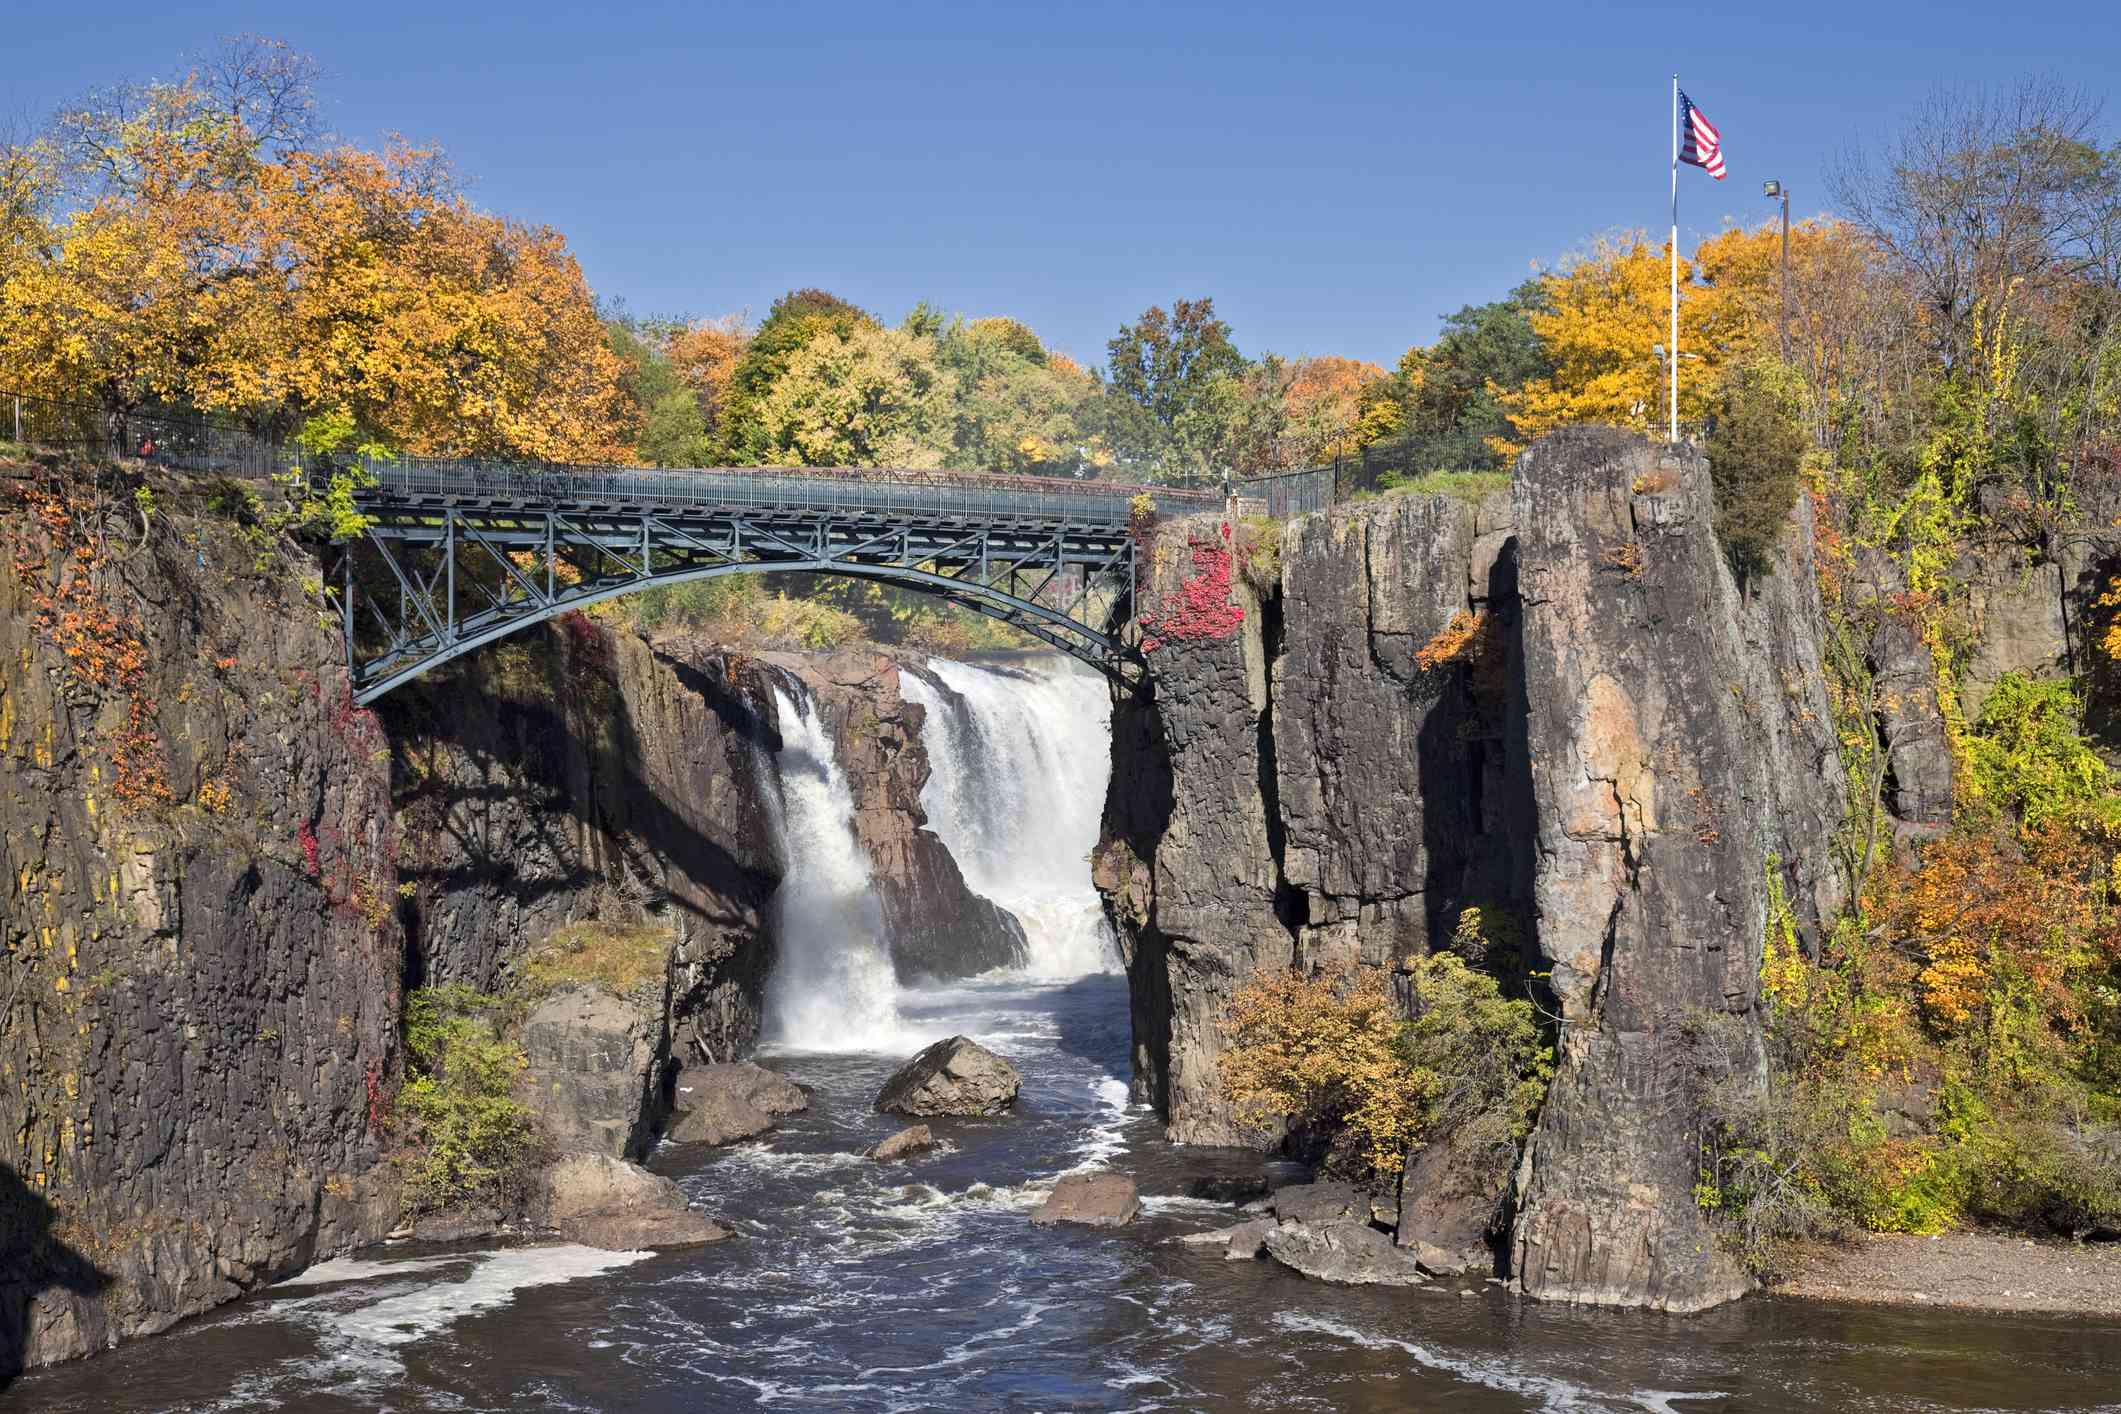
[1323, 407]
[869, 397]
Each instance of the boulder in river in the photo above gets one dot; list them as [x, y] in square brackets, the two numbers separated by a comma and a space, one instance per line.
[600, 1201]
[1092, 1199]
[1349, 1252]
[732, 1100]
[1247, 1240]
[904, 1144]
[1448, 1195]
[456, 1225]
[957, 1076]
[1319, 1202]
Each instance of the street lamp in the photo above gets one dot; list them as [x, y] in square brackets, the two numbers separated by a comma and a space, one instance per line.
[1771, 190]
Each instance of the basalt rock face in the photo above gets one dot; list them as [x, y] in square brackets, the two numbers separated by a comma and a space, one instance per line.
[1679, 751]
[202, 1001]
[198, 987]
[574, 773]
[1300, 790]
[935, 925]
[1554, 706]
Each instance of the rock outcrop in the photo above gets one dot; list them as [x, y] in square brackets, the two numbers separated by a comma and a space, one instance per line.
[1554, 706]
[1673, 766]
[596, 1063]
[956, 1076]
[720, 1104]
[600, 1201]
[1300, 790]
[1346, 1253]
[903, 1145]
[1091, 1200]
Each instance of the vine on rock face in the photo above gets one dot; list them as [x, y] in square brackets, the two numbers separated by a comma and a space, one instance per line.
[1204, 610]
[105, 653]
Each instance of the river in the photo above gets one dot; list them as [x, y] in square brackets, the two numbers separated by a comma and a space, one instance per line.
[854, 1286]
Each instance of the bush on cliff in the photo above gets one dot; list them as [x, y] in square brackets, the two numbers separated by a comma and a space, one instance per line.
[1754, 456]
[1331, 1053]
[470, 1138]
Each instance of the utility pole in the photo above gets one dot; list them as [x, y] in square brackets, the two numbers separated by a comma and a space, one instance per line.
[1775, 189]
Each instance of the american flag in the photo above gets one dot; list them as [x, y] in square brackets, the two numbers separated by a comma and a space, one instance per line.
[1699, 142]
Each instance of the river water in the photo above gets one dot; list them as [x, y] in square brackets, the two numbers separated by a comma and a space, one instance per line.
[923, 1286]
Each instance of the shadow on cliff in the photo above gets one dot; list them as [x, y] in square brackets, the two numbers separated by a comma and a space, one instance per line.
[498, 778]
[32, 1261]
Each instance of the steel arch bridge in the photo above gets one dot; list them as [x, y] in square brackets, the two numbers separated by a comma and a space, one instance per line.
[458, 554]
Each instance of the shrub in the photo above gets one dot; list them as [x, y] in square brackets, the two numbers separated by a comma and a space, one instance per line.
[1259, 554]
[1754, 455]
[471, 1138]
[1473, 486]
[2029, 755]
[1331, 1051]
[617, 959]
[806, 623]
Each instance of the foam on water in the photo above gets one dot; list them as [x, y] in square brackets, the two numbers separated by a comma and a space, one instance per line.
[1552, 1392]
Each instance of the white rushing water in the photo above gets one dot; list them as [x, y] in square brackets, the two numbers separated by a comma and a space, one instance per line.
[832, 987]
[1018, 760]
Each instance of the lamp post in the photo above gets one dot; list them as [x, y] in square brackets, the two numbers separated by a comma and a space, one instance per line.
[1771, 190]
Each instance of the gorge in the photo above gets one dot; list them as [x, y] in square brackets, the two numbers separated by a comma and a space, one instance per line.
[1626, 752]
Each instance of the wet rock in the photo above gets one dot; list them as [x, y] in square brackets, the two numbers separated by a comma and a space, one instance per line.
[957, 1076]
[601, 1201]
[767, 1091]
[718, 1117]
[595, 1061]
[1229, 1188]
[1449, 1193]
[1248, 1240]
[904, 1144]
[456, 1225]
[1093, 1199]
[732, 1100]
[1347, 1253]
[1319, 1203]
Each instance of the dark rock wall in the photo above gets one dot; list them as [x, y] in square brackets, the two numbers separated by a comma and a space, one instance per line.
[193, 1008]
[1301, 791]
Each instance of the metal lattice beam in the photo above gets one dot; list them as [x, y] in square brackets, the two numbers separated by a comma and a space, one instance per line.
[456, 576]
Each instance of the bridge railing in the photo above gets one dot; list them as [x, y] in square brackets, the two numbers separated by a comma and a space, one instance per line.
[844, 490]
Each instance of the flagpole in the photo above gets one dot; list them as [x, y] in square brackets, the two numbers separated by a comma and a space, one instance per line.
[1672, 347]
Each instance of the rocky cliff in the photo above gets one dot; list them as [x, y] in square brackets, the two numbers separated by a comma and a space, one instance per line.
[221, 876]
[1553, 707]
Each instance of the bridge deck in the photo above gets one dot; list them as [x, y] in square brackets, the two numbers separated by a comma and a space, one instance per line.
[411, 485]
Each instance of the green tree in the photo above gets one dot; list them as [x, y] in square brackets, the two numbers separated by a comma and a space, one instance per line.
[868, 397]
[1165, 411]
[796, 319]
[664, 412]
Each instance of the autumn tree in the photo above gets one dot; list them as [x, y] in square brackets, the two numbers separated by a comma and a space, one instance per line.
[705, 354]
[1322, 408]
[870, 396]
[1018, 408]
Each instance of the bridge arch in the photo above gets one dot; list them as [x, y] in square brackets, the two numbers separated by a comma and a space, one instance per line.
[455, 556]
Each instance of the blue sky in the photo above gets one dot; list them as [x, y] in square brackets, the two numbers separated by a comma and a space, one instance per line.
[1336, 176]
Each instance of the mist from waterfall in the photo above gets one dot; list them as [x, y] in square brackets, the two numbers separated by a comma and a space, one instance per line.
[832, 987]
[1018, 760]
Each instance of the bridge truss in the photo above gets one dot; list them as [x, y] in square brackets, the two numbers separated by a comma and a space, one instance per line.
[457, 555]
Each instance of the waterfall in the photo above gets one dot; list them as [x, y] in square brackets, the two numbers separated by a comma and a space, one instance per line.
[1018, 760]
[832, 987]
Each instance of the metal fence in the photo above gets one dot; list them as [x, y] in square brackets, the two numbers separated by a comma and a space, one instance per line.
[1287, 493]
[188, 442]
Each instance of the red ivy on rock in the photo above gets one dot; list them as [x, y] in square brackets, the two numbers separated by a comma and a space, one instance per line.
[1203, 610]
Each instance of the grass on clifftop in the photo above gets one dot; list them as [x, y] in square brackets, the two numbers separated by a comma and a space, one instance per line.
[618, 959]
[1469, 486]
